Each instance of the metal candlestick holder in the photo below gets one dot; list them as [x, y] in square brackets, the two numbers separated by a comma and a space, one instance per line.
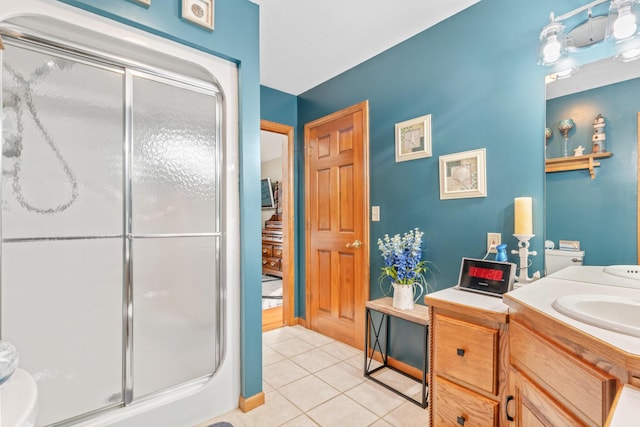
[524, 252]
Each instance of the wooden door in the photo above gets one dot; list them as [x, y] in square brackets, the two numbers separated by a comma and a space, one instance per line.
[337, 227]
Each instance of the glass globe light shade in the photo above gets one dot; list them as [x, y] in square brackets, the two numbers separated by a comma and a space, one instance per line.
[552, 47]
[623, 20]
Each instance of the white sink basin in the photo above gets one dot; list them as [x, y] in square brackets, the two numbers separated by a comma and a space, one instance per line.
[604, 311]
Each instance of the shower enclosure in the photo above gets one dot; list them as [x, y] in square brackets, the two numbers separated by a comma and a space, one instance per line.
[111, 226]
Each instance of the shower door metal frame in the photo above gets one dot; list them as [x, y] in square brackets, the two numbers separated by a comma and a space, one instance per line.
[33, 40]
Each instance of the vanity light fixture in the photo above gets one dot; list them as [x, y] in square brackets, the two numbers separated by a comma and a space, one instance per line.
[623, 20]
[623, 25]
[553, 45]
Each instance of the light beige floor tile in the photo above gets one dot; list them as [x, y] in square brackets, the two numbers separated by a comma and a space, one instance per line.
[292, 346]
[301, 421]
[277, 335]
[270, 356]
[342, 411]
[266, 387]
[399, 382]
[408, 415]
[341, 350]
[308, 392]
[382, 423]
[376, 398]
[314, 360]
[283, 372]
[276, 411]
[315, 338]
[341, 376]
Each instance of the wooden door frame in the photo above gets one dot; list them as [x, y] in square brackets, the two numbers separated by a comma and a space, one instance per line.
[287, 191]
[364, 107]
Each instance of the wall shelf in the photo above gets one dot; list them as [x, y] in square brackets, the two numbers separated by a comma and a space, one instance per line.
[588, 161]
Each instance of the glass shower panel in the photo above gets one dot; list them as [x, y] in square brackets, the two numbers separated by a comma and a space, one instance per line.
[62, 146]
[62, 309]
[174, 170]
[175, 311]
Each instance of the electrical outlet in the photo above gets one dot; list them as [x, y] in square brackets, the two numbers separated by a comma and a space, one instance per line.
[493, 240]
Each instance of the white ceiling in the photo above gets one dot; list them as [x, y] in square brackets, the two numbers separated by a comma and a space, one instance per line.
[306, 42]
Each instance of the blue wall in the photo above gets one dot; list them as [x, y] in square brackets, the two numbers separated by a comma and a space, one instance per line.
[278, 106]
[599, 212]
[235, 38]
[476, 74]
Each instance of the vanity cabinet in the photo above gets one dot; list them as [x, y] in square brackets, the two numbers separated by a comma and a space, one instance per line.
[468, 349]
[550, 386]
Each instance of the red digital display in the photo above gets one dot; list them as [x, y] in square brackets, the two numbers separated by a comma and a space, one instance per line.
[486, 273]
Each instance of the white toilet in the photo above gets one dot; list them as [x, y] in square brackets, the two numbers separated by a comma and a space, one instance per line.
[555, 259]
[18, 397]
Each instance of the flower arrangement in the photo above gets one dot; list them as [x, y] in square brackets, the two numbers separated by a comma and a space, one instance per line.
[403, 262]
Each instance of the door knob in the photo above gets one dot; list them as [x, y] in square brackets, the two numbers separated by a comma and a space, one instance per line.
[356, 244]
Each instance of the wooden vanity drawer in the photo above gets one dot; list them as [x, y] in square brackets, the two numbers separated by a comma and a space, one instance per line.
[272, 263]
[586, 390]
[466, 352]
[267, 251]
[277, 251]
[457, 406]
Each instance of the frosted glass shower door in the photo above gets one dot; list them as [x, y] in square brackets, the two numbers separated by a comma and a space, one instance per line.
[62, 227]
[175, 234]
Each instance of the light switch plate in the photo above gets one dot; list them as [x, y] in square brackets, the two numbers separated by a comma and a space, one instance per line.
[375, 213]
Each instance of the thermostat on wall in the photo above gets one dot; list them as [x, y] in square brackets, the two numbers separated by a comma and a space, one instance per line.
[486, 277]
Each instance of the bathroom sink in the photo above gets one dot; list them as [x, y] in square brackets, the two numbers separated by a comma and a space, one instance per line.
[604, 311]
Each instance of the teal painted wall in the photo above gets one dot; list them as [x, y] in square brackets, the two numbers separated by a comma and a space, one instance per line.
[278, 106]
[599, 212]
[235, 38]
[476, 74]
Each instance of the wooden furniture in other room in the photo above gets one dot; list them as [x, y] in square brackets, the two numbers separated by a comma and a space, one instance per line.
[272, 247]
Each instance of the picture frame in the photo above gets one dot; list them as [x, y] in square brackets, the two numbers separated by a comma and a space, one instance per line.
[463, 175]
[413, 138]
[199, 12]
[145, 3]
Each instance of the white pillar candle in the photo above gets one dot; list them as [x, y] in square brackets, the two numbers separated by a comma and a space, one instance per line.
[523, 215]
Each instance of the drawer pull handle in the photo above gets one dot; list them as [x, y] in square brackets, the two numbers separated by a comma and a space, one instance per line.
[460, 352]
[264, 251]
[506, 408]
[461, 420]
[264, 262]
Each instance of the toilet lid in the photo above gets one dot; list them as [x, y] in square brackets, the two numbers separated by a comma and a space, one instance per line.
[18, 397]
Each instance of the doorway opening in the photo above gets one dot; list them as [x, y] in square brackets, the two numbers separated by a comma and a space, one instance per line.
[277, 159]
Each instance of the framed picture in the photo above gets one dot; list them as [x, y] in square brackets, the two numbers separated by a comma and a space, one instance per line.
[145, 3]
[463, 175]
[413, 139]
[199, 12]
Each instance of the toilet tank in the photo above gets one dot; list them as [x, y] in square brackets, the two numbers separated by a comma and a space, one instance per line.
[556, 259]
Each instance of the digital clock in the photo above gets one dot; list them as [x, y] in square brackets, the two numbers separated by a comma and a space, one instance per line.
[487, 277]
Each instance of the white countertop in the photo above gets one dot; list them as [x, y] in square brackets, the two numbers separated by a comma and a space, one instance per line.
[626, 410]
[542, 293]
[471, 299]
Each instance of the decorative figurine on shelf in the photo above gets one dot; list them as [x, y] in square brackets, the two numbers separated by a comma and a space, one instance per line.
[564, 127]
[548, 133]
[578, 151]
[599, 137]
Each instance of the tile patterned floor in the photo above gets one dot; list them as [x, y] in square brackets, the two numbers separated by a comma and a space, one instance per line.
[313, 380]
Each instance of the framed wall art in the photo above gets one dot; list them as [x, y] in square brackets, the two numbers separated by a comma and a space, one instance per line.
[199, 12]
[413, 139]
[463, 175]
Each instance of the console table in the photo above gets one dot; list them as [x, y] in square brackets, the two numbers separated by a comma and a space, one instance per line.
[419, 315]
